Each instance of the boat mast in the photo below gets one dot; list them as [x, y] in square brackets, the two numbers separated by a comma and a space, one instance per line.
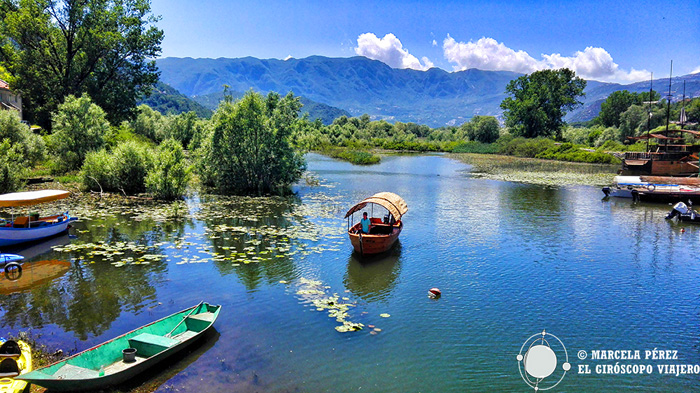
[668, 104]
[651, 85]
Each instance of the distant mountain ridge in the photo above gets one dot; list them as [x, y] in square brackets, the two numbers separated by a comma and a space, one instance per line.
[359, 85]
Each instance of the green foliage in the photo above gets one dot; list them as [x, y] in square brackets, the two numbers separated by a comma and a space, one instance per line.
[250, 150]
[484, 129]
[170, 174]
[132, 162]
[55, 49]
[525, 147]
[30, 146]
[353, 156]
[79, 127]
[123, 169]
[150, 124]
[183, 127]
[97, 173]
[11, 168]
[571, 152]
[615, 105]
[540, 100]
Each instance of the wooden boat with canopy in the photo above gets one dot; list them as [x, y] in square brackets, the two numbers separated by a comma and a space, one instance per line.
[31, 227]
[383, 232]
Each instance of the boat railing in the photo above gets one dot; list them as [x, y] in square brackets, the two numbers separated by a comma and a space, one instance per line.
[656, 156]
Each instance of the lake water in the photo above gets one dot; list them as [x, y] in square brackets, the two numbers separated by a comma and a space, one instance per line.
[511, 260]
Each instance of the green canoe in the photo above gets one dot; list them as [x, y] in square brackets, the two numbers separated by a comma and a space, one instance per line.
[103, 365]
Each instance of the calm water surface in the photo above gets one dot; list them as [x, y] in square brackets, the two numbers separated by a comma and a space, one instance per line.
[511, 260]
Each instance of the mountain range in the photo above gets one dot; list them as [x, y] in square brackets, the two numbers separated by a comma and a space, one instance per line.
[360, 85]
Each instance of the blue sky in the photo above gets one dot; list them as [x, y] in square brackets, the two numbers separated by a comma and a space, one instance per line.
[604, 40]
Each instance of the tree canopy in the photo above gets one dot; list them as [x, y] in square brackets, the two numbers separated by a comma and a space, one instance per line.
[539, 102]
[51, 49]
[250, 150]
[618, 102]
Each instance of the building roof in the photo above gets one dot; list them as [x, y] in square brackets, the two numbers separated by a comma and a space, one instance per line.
[4, 85]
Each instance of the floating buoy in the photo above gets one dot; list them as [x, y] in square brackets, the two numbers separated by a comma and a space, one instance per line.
[434, 293]
[682, 230]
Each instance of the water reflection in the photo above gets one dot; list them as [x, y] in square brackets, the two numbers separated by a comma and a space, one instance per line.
[373, 278]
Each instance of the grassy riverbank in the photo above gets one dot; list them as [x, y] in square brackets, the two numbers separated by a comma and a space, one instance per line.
[357, 157]
[537, 171]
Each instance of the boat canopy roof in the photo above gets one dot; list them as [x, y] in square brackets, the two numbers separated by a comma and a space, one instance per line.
[390, 201]
[29, 198]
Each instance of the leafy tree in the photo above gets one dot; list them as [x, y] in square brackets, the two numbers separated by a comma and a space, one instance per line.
[132, 161]
[150, 124]
[79, 127]
[249, 151]
[52, 49]
[170, 173]
[540, 100]
[484, 129]
[614, 105]
[182, 127]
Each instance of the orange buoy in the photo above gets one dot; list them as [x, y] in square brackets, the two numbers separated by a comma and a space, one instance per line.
[434, 293]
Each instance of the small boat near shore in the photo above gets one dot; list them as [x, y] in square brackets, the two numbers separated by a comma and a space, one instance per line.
[31, 227]
[124, 357]
[684, 213]
[383, 233]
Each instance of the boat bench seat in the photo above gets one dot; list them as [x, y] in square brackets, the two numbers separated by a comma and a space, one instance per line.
[148, 344]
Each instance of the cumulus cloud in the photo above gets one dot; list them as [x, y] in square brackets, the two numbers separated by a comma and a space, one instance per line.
[434, 43]
[489, 54]
[695, 71]
[390, 51]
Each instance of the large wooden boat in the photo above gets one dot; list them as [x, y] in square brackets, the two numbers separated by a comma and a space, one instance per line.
[27, 228]
[383, 232]
[104, 365]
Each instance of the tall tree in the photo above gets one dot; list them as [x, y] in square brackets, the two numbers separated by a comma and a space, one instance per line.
[250, 150]
[614, 105]
[54, 48]
[540, 100]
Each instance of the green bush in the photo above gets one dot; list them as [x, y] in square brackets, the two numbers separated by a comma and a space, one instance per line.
[573, 153]
[353, 156]
[11, 169]
[131, 164]
[170, 174]
[475, 147]
[150, 124]
[97, 173]
[524, 147]
[123, 169]
[79, 127]
[30, 146]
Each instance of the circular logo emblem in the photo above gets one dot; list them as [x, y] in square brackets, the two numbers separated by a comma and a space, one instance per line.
[537, 361]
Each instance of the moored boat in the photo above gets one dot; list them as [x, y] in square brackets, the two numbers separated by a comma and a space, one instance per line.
[31, 227]
[115, 361]
[15, 360]
[684, 213]
[382, 233]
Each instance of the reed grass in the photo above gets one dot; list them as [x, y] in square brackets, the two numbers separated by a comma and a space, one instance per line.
[537, 171]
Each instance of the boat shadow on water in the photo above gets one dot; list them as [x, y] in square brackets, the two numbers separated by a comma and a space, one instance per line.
[373, 277]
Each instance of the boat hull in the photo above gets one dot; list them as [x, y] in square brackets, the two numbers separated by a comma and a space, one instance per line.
[10, 236]
[371, 244]
[81, 372]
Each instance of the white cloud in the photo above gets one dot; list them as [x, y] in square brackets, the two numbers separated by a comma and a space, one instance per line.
[695, 71]
[434, 43]
[488, 54]
[390, 51]
[288, 57]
